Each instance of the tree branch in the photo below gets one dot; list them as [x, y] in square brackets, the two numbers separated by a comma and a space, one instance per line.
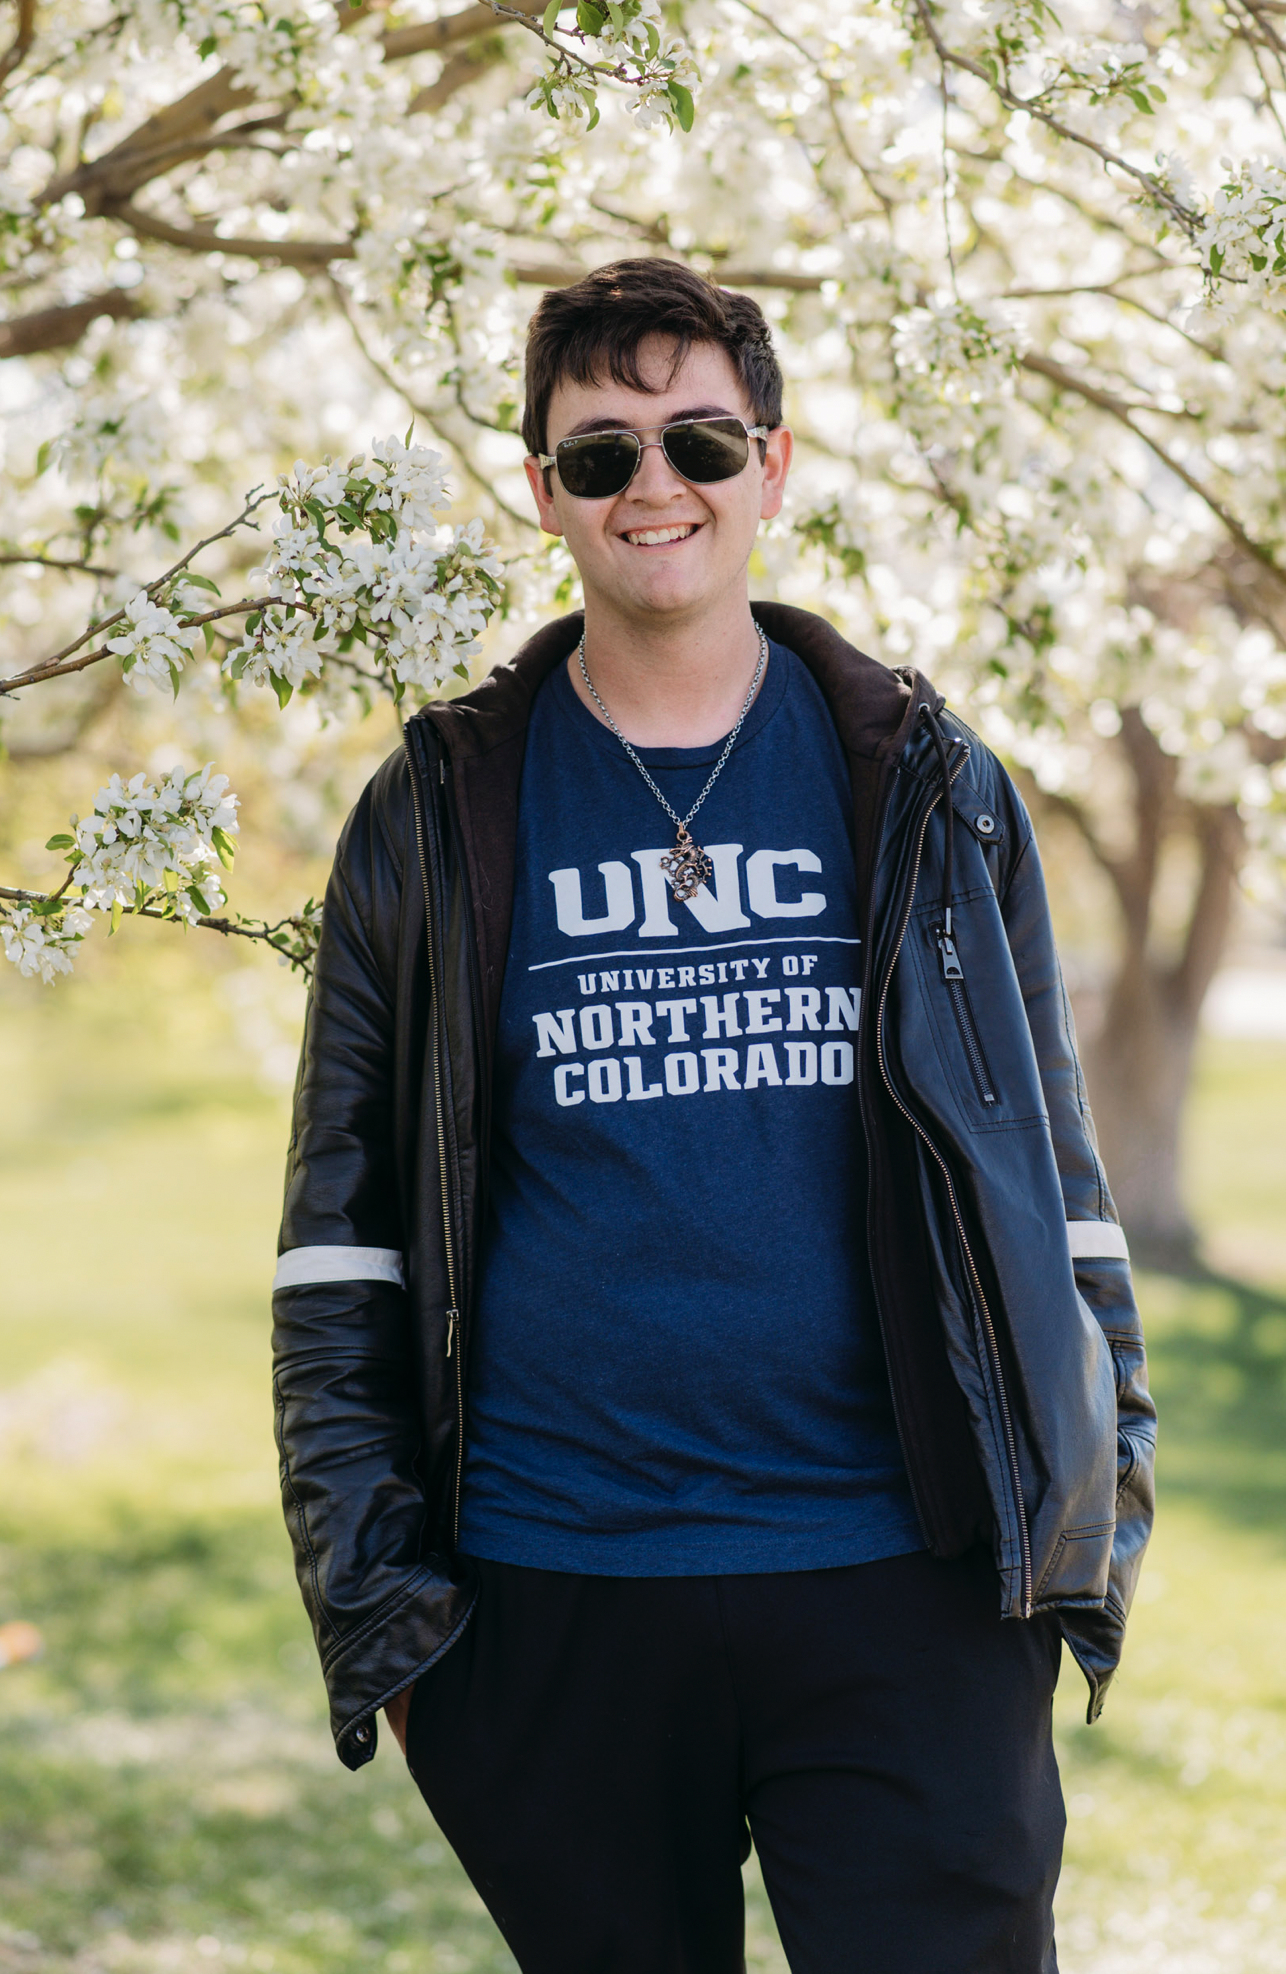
[65, 562]
[63, 662]
[948, 57]
[152, 147]
[308, 254]
[58, 327]
[23, 36]
[430, 36]
[1117, 408]
[457, 74]
[276, 936]
[388, 377]
[70, 732]
[1068, 807]
[561, 274]
[184, 128]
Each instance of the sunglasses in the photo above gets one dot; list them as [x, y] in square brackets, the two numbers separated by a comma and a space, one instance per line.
[598, 465]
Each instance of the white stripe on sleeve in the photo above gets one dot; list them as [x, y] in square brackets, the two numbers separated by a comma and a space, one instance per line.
[299, 1266]
[1097, 1240]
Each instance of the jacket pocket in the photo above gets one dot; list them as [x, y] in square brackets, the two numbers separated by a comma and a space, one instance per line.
[1075, 1573]
[976, 1055]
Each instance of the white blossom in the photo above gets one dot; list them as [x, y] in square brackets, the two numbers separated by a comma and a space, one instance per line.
[390, 583]
[156, 646]
[36, 945]
[1243, 238]
[144, 837]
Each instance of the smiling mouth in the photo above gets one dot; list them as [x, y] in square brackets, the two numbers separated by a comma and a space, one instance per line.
[659, 537]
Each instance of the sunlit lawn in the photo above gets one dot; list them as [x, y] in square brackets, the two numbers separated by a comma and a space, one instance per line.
[169, 1798]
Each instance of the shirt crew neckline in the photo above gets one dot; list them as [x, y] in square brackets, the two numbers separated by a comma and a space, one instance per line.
[772, 692]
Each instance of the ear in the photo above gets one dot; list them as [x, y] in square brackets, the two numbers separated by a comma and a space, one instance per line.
[544, 499]
[779, 448]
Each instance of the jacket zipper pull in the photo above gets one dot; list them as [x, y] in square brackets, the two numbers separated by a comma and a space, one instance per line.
[950, 958]
[453, 1317]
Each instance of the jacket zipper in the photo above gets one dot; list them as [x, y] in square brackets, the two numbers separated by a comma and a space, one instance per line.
[453, 1313]
[993, 1349]
[958, 992]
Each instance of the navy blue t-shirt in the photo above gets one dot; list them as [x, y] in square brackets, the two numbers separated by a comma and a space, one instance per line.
[677, 1368]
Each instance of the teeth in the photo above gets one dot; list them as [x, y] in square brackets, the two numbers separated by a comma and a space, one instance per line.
[653, 537]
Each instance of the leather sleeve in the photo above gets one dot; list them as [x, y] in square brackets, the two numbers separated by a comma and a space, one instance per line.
[347, 1425]
[1104, 1284]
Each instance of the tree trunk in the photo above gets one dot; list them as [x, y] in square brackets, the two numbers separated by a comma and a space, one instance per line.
[1139, 1064]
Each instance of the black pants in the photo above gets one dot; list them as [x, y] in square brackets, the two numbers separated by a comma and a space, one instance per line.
[593, 1749]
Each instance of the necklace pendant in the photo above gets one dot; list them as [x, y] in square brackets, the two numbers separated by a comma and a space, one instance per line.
[687, 867]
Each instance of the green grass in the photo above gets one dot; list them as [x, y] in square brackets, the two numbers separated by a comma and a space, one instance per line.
[169, 1798]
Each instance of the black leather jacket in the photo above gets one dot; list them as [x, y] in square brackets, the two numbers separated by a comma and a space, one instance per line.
[1014, 1346]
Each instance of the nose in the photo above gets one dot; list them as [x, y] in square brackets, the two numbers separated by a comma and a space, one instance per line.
[655, 479]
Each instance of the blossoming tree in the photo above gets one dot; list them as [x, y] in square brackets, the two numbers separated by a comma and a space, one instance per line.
[1028, 272]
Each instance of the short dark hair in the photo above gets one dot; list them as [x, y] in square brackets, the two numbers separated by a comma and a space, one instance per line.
[595, 327]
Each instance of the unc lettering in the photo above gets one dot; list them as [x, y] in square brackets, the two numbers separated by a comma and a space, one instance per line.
[761, 884]
[717, 906]
[569, 904]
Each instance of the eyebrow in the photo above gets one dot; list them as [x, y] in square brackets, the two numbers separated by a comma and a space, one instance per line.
[588, 425]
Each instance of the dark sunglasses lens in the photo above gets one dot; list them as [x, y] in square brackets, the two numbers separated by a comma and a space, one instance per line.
[707, 449]
[598, 466]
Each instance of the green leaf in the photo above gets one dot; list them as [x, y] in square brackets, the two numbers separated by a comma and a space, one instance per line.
[588, 17]
[198, 900]
[42, 456]
[209, 634]
[549, 20]
[618, 18]
[283, 689]
[225, 847]
[171, 880]
[170, 530]
[118, 913]
[684, 108]
[593, 116]
[1141, 101]
[653, 40]
[201, 582]
[410, 433]
[238, 667]
[1216, 260]
[207, 47]
[252, 625]
[63, 842]
[175, 679]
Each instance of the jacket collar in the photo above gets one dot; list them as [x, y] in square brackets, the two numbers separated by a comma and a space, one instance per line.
[874, 709]
[484, 732]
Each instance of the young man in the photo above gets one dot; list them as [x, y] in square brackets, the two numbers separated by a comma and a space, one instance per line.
[708, 1378]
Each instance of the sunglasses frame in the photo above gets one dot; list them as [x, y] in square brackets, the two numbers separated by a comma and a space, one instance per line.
[548, 459]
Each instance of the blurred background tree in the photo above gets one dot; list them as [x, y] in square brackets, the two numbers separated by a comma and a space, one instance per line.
[1027, 273]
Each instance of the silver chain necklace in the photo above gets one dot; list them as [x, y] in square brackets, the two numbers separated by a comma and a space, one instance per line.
[687, 866]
